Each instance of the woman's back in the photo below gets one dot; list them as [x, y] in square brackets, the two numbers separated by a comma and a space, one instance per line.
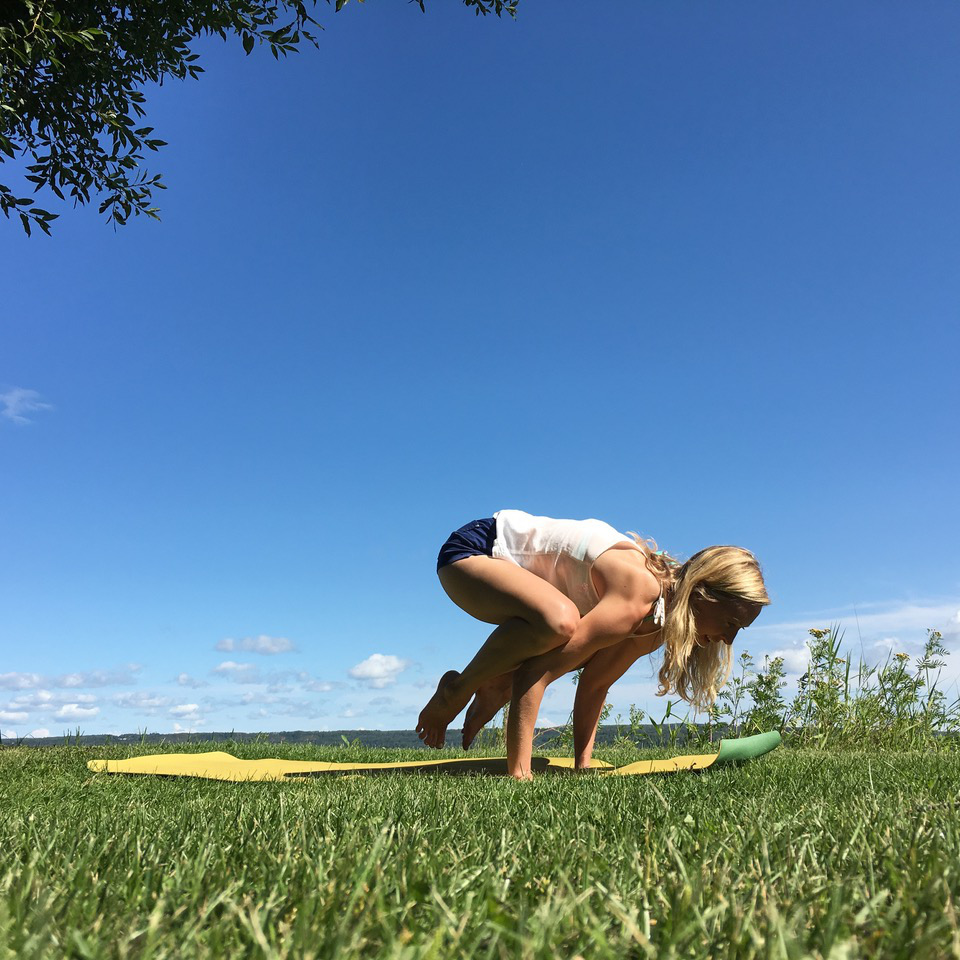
[562, 552]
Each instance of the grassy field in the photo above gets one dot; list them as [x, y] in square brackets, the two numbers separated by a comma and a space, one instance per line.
[801, 853]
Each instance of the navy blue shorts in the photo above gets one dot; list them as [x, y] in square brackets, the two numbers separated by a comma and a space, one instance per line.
[474, 539]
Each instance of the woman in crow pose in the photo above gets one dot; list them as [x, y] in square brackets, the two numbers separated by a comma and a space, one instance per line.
[567, 594]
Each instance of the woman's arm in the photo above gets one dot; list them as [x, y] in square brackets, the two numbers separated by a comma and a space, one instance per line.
[603, 670]
[587, 708]
[609, 622]
[528, 688]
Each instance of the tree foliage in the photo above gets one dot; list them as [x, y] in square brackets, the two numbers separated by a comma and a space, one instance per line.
[72, 74]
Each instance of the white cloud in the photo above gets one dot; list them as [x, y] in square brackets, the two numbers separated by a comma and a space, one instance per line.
[888, 644]
[44, 700]
[179, 728]
[18, 402]
[11, 716]
[379, 669]
[73, 711]
[187, 710]
[262, 644]
[12, 734]
[35, 700]
[795, 659]
[229, 668]
[185, 680]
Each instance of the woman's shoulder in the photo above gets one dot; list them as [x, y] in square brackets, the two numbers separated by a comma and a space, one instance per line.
[624, 564]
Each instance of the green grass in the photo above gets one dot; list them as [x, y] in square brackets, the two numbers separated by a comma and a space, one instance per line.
[800, 853]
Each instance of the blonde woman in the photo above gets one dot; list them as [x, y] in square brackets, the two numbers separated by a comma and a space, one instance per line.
[566, 594]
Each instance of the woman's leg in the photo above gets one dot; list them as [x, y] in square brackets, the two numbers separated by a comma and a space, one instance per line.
[533, 617]
[489, 698]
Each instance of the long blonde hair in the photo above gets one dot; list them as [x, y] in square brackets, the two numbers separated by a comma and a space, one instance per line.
[697, 673]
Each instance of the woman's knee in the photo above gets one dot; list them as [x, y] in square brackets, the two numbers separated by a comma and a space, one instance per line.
[558, 622]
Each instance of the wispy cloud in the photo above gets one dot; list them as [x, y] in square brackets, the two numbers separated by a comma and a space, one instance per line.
[262, 644]
[185, 680]
[124, 676]
[141, 700]
[100, 678]
[871, 632]
[45, 700]
[18, 402]
[379, 670]
[275, 681]
[873, 636]
[20, 681]
[887, 619]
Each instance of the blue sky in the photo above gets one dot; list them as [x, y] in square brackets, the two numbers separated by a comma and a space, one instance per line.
[688, 268]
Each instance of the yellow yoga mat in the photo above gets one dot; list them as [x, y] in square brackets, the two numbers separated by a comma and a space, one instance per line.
[223, 766]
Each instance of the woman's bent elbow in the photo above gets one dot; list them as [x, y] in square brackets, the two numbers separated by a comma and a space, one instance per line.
[567, 623]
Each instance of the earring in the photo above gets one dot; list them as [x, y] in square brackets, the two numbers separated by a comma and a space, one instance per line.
[658, 612]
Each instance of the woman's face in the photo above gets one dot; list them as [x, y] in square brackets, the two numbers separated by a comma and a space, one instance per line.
[721, 620]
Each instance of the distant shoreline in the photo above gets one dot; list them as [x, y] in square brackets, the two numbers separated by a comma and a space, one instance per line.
[397, 739]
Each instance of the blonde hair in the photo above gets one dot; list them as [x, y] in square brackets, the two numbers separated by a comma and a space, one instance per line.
[697, 673]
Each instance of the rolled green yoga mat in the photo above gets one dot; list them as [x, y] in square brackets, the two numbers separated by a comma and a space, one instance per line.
[222, 766]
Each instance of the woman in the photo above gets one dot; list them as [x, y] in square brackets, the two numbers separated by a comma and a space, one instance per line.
[567, 594]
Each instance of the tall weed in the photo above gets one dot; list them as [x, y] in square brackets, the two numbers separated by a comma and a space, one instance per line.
[903, 710]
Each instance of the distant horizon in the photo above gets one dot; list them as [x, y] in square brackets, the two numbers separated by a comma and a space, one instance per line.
[606, 732]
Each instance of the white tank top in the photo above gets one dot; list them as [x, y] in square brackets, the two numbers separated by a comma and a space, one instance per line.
[561, 552]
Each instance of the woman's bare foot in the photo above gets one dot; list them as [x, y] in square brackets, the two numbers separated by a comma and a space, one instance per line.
[441, 708]
[488, 700]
